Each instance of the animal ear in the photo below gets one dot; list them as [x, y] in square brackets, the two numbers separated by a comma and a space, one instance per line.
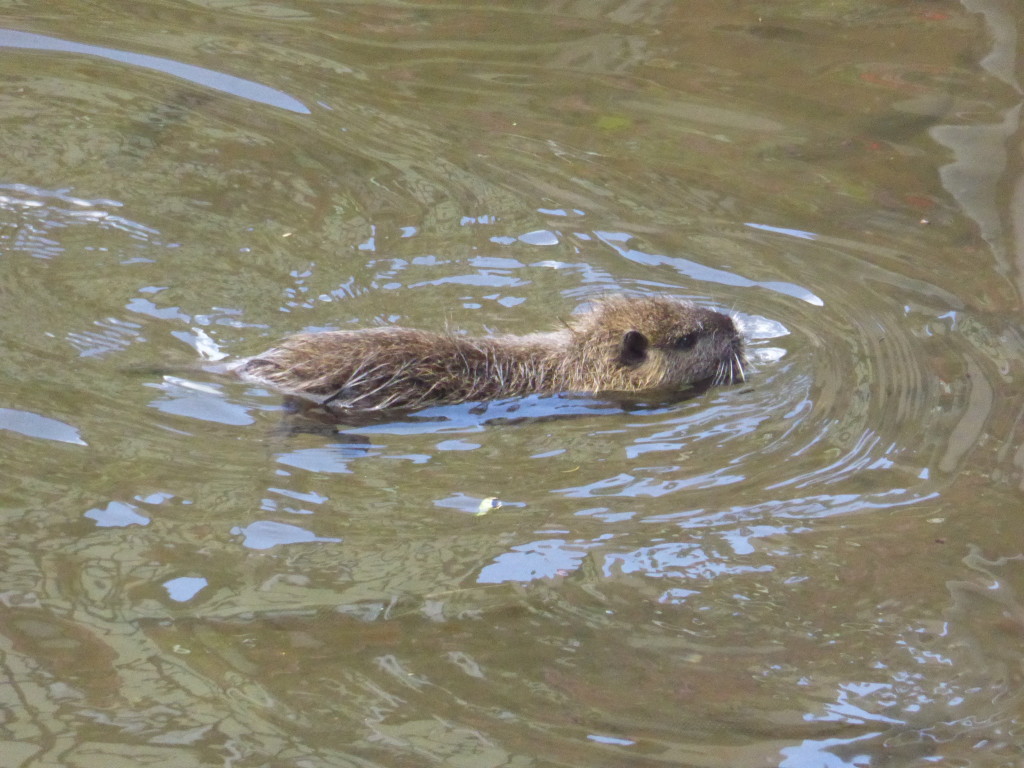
[634, 348]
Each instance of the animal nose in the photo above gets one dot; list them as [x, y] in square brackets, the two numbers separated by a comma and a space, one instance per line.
[715, 321]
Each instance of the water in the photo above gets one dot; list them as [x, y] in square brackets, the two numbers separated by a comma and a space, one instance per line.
[819, 567]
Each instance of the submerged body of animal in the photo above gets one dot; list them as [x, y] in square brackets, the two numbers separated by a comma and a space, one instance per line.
[622, 344]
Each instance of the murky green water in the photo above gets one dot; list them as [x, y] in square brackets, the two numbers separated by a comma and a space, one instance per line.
[821, 567]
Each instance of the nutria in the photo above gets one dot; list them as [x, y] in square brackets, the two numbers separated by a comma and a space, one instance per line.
[622, 344]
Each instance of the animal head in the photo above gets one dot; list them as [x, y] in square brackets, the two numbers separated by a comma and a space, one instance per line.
[654, 342]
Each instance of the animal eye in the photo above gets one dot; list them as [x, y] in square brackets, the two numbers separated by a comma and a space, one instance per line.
[687, 341]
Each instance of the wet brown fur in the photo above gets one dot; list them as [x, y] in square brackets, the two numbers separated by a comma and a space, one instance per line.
[622, 344]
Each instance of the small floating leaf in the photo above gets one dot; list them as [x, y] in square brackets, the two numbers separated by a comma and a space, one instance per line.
[488, 504]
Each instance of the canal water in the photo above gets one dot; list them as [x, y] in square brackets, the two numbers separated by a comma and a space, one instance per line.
[821, 566]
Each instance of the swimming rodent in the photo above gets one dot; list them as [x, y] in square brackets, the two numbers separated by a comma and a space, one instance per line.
[622, 344]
